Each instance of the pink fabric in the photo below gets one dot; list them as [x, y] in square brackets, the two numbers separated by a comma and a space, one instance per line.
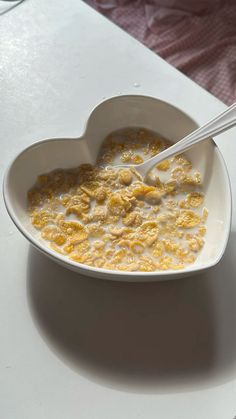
[197, 37]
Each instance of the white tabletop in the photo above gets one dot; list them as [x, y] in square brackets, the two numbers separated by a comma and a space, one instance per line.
[72, 347]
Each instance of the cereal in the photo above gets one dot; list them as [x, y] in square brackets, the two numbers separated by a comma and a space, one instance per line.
[153, 197]
[202, 231]
[183, 161]
[164, 165]
[137, 159]
[141, 190]
[100, 194]
[53, 234]
[170, 186]
[108, 218]
[195, 243]
[125, 177]
[117, 205]
[137, 247]
[195, 199]
[78, 210]
[204, 214]
[187, 219]
[42, 218]
[132, 219]
[158, 250]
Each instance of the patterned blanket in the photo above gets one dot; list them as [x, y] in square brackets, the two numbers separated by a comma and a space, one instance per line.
[197, 37]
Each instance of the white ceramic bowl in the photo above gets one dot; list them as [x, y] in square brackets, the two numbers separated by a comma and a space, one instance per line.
[115, 113]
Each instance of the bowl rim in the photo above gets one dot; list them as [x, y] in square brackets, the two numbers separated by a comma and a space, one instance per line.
[64, 260]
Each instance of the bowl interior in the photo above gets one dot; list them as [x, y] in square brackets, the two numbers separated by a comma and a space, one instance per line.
[116, 113]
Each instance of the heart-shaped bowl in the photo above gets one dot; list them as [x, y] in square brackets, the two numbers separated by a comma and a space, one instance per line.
[110, 115]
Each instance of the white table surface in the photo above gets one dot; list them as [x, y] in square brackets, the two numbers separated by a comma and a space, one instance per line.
[72, 347]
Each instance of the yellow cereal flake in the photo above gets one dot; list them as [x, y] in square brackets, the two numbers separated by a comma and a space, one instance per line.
[77, 210]
[127, 156]
[185, 256]
[117, 204]
[195, 199]
[177, 266]
[196, 243]
[184, 204]
[53, 234]
[77, 258]
[170, 186]
[89, 188]
[171, 205]
[119, 255]
[188, 219]
[78, 237]
[137, 247]
[125, 177]
[153, 197]
[202, 231]
[70, 228]
[204, 214]
[70, 201]
[178, 173]
[137, 159]
[117, 231]
[164, 165]
[112, 219]
[124, 243]
[146, 264]
[192, 180]
[158, 249]
[99, 214]
[95, 230]
[83, 247]
[151, 179]
[150, 239]
[135, 173]
[141, 190]
[165, 263]
[132, 219]
[100, 194]
[41, 218]
[170, 246]
[197, 177]
[65, 200]
[183, 161]
[99, 245]
[109, 253]
[68, 248]
[149, 226]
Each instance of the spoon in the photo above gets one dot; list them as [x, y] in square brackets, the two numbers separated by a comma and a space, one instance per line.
[215, 126]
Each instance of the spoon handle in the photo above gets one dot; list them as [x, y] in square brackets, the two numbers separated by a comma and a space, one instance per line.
[217, 125]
